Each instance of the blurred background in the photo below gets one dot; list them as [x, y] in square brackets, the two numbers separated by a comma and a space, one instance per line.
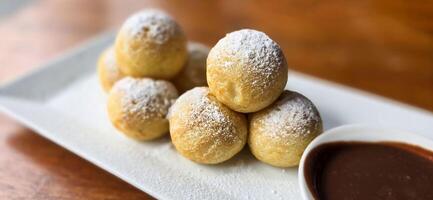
[385, 47]
[381, 46]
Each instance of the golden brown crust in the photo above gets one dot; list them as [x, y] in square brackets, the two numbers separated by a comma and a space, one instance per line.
[246, 70]
[108, 71]
[280, 133]
[204, 130]
[138, 107]
[151, 44]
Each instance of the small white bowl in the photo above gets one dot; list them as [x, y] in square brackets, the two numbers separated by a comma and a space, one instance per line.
[361, 133]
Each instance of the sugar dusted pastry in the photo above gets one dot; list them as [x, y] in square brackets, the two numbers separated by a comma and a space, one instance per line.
[193, 73]
[151, 44]
[138, 107]
[204, 130]
[280, 133]
[246, 70]
[108, 70]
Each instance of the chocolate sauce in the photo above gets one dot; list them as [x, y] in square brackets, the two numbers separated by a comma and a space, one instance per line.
[358, 170]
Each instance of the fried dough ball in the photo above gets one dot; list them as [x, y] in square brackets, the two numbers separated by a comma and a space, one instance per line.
[246, 70]
[280, 133]
[138, 107]
[204, 130]
[151, 44]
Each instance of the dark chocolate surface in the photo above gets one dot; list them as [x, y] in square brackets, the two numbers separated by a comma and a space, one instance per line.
[358, 170]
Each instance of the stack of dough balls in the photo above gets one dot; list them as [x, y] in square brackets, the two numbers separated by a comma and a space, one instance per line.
[246, 73]
[150, 49]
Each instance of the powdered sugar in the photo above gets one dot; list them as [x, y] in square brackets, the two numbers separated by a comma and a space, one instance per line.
[207, 114]
[254, 50]
[207, 117]
[72, 112]
[292, 115]
[145, 97]
[156, 25]
[155, 166]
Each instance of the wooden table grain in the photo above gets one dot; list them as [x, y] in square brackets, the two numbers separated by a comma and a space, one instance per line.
[381, 46]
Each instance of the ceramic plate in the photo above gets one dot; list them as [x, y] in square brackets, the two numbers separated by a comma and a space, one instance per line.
[64, 103]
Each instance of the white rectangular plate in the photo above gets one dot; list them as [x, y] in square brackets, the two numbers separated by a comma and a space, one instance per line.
[64, 102]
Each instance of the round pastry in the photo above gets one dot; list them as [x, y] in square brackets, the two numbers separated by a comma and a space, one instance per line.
[193, 73]
[151, 44]
[280, 133]
[138, 107]
[204, 130]
[246, 70]
[108, 71]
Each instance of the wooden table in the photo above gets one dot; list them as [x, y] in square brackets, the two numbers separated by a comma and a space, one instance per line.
[385, 47]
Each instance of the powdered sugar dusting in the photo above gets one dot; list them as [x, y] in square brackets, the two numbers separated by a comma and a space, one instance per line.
[253, 49]
[207, 117]
[155, 166]
[156, 25]
[145, 97]
[292, 115]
